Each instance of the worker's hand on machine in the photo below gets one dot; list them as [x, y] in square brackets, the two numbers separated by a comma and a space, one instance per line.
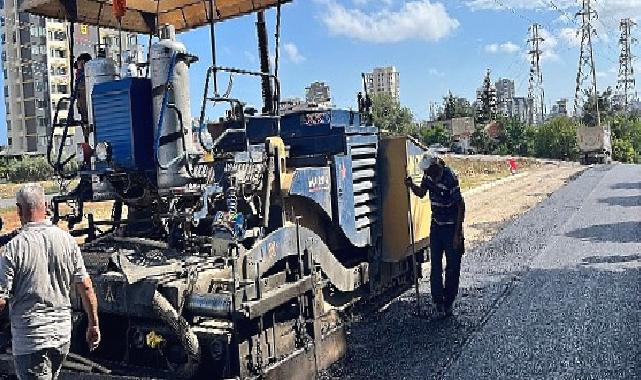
[93, 337]
[409, 182]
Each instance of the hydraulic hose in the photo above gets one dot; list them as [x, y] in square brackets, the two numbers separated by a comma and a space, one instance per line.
[168, 314]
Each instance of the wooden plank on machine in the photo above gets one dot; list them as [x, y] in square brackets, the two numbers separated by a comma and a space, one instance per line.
[183, 14]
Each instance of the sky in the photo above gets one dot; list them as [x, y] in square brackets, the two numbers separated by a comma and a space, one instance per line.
[437, 46]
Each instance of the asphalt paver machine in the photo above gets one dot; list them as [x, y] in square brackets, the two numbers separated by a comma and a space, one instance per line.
[238, 248]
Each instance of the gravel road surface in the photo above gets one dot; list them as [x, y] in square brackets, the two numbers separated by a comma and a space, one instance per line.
[555, 295]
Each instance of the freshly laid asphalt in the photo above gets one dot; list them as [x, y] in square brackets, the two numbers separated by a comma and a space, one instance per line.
[555, 295]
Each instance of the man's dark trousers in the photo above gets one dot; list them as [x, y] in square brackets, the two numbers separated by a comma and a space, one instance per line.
[442, 240]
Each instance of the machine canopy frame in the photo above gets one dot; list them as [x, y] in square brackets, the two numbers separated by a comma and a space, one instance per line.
[144, 16]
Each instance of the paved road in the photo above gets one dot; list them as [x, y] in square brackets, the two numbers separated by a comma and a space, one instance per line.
[556, 295]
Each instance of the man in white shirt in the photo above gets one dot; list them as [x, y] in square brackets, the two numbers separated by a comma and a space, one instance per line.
[37, 270]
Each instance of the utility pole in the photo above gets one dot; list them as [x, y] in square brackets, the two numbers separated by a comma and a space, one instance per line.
[626, 82]
[536, 94]
[586, 59]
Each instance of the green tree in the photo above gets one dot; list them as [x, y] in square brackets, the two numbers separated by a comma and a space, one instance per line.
[626, 127]
[481, 141]
[26, 169]
[623, 151]
[606, 110]
[514, 137]
[556, 138]
[389, 115]
[454, 106]
[438, 134]
[531, 133]
[487, 99]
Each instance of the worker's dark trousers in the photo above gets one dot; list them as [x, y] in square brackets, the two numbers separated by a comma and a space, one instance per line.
[442, 240]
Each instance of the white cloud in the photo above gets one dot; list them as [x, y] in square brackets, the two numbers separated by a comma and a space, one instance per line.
[293, 54]
[548, 46]
[417, 19]
[570, 37]
[507, 47]
[610, 11]
[516, 4]
[492, 48]
[436, 73]
[365, 2]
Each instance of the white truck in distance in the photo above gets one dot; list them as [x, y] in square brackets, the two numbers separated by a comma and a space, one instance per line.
[595, 144]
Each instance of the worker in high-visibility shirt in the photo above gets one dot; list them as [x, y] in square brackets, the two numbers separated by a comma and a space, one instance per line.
[446, 231]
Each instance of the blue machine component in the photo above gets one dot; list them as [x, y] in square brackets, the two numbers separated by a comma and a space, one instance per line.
[260, 128]
[123, 118]
[356, 201]
[324, 132]
[317, 123]
[315, 184]
[351, 150]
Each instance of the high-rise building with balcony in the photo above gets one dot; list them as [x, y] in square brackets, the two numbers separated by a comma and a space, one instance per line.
[26, 87]
[504, 96]
[318, 93]
[36, 65]
[384, 80]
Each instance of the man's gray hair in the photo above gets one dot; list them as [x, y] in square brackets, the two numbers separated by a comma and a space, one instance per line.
[31, 196]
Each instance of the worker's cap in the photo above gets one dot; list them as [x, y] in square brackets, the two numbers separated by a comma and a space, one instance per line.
[429, 159]
[85, 57]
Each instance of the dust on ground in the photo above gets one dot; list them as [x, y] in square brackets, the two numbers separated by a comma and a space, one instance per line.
[488, 209]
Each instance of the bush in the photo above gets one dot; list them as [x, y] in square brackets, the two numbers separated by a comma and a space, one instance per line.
[623, 151]
[26, 170]
[556, 139]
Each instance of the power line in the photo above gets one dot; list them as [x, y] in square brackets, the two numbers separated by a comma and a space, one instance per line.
[586, 59]
[562, 12]
[536, 94]
[626, 82]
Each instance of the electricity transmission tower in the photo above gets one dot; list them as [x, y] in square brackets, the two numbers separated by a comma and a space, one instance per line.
[536, 94]
[626, 82]
[586, 60]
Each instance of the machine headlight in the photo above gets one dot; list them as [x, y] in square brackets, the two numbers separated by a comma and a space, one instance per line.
[103, 151]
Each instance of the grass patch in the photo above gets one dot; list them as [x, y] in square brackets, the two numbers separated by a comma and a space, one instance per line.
[9, 190]
[474, 172]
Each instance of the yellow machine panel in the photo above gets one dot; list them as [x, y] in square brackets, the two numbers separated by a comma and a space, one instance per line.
[401, 158]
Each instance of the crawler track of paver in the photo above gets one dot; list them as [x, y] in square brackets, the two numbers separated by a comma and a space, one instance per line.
[555, 295]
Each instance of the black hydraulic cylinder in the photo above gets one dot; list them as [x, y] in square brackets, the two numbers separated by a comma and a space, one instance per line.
[263, 52]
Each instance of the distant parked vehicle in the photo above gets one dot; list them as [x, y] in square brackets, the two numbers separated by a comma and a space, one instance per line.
[595, 144]
[460, 148]
[439, 149]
